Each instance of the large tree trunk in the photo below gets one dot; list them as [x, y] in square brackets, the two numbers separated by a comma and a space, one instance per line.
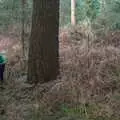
[73, 15]
[43, 64]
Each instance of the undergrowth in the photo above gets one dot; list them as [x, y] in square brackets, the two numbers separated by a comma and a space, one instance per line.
[88, 87]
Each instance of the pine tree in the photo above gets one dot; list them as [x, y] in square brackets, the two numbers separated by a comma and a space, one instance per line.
[43, 64]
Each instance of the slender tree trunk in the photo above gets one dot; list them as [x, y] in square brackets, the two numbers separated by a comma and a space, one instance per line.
[73, 14]
[43, 64]
[23, 27]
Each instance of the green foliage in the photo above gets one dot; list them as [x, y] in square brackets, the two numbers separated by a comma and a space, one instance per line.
[92, 8]
[80, 10]
[107, 15]
[110, 15]
[65, 12]
[87, 8]
[11, 12]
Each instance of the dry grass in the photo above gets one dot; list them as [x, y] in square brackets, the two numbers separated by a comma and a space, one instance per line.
[90, 75]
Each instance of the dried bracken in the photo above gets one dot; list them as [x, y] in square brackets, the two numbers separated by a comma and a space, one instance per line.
[88, 74]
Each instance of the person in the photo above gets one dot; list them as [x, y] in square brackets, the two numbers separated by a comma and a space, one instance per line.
[3, 60]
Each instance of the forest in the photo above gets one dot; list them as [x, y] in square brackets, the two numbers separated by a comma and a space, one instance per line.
[59, 59]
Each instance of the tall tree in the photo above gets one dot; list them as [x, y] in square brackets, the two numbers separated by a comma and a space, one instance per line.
[43, 63]
[73, 13]
[23, 27]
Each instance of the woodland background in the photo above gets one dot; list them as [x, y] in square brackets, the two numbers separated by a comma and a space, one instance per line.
[88, 87]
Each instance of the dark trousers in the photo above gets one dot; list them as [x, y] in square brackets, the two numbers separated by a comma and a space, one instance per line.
[2, 68]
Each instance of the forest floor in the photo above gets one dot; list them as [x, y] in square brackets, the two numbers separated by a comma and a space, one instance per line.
[88, 87]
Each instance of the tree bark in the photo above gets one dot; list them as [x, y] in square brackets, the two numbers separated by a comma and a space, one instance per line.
[43, 63]
[23, 28]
